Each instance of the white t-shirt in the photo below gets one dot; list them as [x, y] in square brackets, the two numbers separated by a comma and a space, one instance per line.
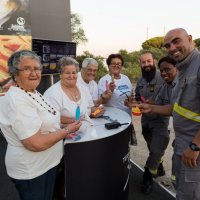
[123, 85]
[66, 106]
[20, 118]
[92, 86]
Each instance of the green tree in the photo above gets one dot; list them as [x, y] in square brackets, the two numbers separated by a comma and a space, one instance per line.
[157, 52]
[101, 67]
[131, 65]
[78, 34]
[197, 43]
[131, 59]
[155, 42]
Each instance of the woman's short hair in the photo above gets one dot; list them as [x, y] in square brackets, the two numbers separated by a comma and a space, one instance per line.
[15, 58]
[65, 61]
[111, 56]
[88, 61]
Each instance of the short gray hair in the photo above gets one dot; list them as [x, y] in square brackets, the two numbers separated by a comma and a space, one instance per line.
[65, 61]
[15, 58]
[88, 61]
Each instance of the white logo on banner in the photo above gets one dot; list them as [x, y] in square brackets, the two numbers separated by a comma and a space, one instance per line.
[19, 26]
[21, 21]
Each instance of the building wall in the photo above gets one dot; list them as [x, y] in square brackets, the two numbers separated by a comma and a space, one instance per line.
[50, 19]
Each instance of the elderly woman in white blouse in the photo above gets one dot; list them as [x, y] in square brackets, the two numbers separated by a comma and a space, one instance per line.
[31, 126]
[67, 96]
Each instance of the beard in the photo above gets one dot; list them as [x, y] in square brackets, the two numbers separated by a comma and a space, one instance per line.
[149, 75]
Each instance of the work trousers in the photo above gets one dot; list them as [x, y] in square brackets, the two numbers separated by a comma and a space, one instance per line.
[187, 180]
[157, 140]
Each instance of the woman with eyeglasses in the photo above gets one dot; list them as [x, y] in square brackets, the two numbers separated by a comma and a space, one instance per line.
[118, 86]
[67, 96]
[31, 126]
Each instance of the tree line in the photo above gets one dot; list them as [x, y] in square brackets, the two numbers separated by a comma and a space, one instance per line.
[131, 61]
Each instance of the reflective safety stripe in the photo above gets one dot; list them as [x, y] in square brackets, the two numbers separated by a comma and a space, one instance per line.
[153, 171]
[186, 113]
[173, 177]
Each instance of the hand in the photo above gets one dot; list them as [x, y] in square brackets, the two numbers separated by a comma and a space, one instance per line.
[189, 157]
[70, 120]
[150, 101]
[107, 95]
[112, 86]
[145, 108]
[130, 102]
[73, 127]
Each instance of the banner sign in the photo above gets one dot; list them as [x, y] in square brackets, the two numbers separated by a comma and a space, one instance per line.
[15, 34]
[15, 17]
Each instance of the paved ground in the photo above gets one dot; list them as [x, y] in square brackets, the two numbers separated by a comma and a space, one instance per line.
[139, 153]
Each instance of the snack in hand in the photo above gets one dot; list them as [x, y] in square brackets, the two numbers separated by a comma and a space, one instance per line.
[136, 111]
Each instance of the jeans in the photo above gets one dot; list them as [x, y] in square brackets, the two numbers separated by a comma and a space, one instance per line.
[39, 188]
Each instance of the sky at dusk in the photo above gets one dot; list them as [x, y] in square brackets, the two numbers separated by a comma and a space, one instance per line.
[111, 25]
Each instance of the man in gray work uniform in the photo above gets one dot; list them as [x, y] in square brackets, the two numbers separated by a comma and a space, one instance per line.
[186, 113]
[147, 88]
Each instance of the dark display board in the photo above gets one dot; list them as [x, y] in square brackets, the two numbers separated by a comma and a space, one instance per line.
[51, 51]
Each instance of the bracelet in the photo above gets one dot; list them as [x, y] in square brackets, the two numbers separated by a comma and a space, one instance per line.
[67, 130]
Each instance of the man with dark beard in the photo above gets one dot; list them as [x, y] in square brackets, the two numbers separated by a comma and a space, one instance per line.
[147, 89]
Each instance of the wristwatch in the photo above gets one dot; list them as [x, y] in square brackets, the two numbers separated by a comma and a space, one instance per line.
[194, 147]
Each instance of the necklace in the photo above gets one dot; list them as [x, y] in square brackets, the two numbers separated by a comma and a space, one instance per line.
[75, 97]
[50, 108]
[73, 94]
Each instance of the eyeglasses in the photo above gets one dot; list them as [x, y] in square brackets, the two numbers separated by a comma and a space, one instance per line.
[91, 70]
[28, 71]
[116, 64]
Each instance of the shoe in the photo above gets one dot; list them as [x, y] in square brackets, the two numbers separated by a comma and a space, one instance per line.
[161, 170]
[147, 184]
